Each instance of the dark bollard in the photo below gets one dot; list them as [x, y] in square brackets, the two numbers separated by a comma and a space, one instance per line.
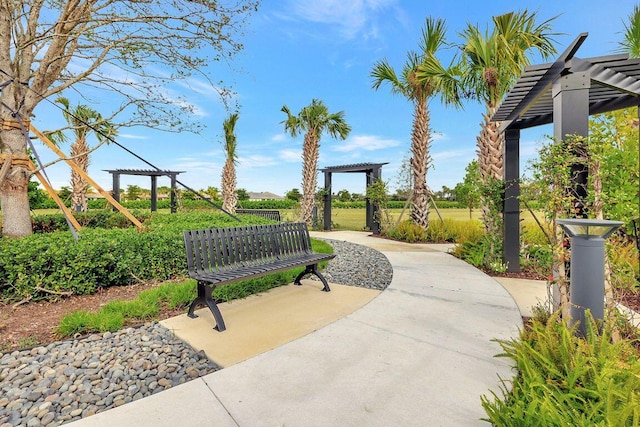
[587, 266]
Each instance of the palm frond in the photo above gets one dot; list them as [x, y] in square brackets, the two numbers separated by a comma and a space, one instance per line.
[230, 141]
[631, 35]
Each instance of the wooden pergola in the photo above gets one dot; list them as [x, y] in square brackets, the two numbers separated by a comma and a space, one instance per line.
[565, 93]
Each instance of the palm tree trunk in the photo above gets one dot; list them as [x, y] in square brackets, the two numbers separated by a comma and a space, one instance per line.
[78, 184]
[310, 154]
[490, 147]
[420, 162]
[490, 144]
[16, 217]
[229, 196]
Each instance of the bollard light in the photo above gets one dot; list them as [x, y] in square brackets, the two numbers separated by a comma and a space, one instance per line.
[587, 266]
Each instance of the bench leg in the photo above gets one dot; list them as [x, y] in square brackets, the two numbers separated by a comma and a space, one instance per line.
[204, 298]
[312, 269]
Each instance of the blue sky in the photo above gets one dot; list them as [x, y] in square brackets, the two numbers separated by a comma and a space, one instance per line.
[297, 50]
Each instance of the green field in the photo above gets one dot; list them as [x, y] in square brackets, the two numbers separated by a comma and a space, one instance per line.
[354, 219]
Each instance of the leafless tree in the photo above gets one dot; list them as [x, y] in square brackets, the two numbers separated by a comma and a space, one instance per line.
[132, 49]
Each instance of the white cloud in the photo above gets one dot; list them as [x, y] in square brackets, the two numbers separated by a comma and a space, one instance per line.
[131, 136]
[352, 17]
[290, 155]
[365, 143]
[257, 161]
[279, 137]
[439, 136]
[452, 154]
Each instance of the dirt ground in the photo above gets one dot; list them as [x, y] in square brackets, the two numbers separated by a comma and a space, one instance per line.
[34, 323]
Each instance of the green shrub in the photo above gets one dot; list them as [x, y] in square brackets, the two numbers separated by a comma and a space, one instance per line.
[565, 380]
[407, 231]
[453, 231]
[44, 262]
[625, 262]
[536, 258]
[447, 231]
[93, 219]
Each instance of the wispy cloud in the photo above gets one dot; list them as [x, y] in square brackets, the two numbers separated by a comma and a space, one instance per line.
[279, 137]
[191, 164]
[438, 136]
[257, 161]
[365, 143]
[132, 136]
[451, 155]
[352, 18]
[290, 155]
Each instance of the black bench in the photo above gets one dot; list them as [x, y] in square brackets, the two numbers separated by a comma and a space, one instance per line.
[219, 256]
[265, 213]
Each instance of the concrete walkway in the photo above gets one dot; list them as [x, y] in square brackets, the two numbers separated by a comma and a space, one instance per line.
[419, 354]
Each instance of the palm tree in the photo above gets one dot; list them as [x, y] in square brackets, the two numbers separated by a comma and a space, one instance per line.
[422, 77]
[82, 120]
[313, 120]
[229, 170]
[631, 42]
[491, 63]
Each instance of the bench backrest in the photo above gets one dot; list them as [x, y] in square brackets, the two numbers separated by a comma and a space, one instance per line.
[218, 249]
[265, 213]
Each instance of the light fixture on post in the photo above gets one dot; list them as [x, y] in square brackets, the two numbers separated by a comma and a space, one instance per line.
[587, 266]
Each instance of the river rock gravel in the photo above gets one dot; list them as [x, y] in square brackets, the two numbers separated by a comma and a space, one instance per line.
[68, 380]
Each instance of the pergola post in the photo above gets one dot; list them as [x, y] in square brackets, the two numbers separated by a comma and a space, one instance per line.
[369, 206]
[327, 201]
[116, 186]
[571, 119]
[174, 208]
[154, 193]
[511, 207]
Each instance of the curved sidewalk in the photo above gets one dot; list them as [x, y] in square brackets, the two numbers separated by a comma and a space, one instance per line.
[421, 353]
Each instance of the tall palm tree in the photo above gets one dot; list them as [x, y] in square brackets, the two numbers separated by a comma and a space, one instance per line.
[491, 63]
[631, 42]
[229, 170]
[83, 120]
[313, 120]
[423, 77]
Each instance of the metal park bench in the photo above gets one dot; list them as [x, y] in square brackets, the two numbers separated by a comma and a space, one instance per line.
[265, 213]
[219, 256]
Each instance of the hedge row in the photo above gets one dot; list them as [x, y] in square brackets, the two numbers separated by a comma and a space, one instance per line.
[245, 204]
[94, 219]
[44, 265]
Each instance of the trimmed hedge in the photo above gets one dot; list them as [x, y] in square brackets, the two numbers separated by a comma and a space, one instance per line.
[44, 265]
[94, 219]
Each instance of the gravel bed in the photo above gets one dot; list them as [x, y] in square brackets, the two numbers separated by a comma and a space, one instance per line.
[357, 265]
[68, 380]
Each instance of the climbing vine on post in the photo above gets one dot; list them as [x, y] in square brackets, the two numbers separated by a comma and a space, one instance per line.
[378, 197]
[552, 183]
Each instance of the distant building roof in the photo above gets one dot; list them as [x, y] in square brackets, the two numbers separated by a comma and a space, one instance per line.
[265, 195]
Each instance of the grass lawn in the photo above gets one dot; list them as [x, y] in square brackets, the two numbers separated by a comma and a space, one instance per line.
[354, 219]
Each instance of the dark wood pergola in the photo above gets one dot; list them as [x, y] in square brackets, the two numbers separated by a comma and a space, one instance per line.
[154, 174]
[565, 93]
[372, 171]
